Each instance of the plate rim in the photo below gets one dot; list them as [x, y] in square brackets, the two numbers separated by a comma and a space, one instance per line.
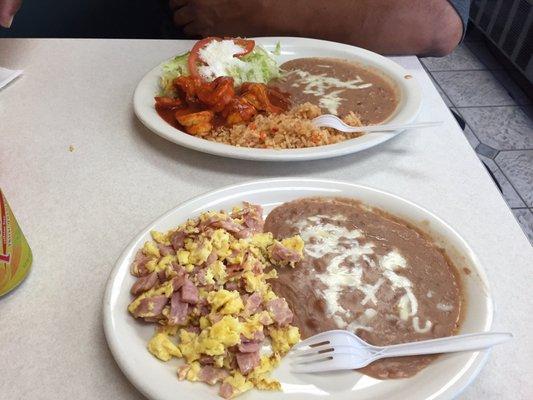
[161, 128]
[452, 391]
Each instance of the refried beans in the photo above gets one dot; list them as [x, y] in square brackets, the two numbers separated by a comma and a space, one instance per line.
[367, 272]
[338, 87]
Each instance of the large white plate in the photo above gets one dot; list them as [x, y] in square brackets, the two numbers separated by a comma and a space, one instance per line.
[443, 379]
[408, 107]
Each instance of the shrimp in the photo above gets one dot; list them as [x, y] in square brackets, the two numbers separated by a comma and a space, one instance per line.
[195, 118]
[167, 102]
[239, 110]
[257, 94]
[217, 94]
[188, 85]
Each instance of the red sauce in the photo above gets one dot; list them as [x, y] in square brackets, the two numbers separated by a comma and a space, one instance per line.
[169, 115]
[280, 100]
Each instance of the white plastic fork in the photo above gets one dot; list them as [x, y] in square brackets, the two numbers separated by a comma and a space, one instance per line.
[332, 121]
[340, 350]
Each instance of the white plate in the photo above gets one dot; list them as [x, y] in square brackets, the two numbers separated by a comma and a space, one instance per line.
[443, 379]
[407, 110]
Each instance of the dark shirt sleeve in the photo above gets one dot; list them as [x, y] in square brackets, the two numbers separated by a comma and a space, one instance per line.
[463, 9]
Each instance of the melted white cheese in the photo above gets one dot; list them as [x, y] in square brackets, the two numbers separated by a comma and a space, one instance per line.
[319, 85]
[444, 307]
[331, 101]
[344, 270]
[425, 329]
[392, 261]
[326, 237]
[353, 326]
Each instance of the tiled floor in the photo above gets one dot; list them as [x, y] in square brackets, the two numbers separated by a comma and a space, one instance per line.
[498, 116]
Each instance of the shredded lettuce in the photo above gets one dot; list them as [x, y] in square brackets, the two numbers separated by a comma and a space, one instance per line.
[173, 68]
[258, 66]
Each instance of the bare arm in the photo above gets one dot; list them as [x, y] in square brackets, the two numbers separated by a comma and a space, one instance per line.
[423, 27]
[8, 9]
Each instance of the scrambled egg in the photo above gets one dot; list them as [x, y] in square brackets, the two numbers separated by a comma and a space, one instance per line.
[228, 265]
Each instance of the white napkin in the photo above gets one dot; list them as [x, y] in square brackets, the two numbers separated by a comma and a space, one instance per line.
[7, 75]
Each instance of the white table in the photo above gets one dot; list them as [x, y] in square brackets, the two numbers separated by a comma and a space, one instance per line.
[79, 209]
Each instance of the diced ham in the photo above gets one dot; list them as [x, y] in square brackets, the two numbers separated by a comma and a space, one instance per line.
[257, 268]
[204, 310]
[226, 390]
[233, 269]
[178, 240]
[235, 229]
[259, 336]
[208, 232]
[144, 283]
[249, 347]
[177, 282]
[138, 267]
[253, 302]
[193, 329]
[206, 360]
[279, 309]
[212, 375]
[247, 361]
[208, 222]
[165, 250]
[178, 269]
[253, 345]
[189, 292]
[162, 276]
[150, 306]
[253, 217]
[243, 234]
[211, 258]
[281, 253]
[200, 277]
[179, 310]
[182, 371]
[231, 285]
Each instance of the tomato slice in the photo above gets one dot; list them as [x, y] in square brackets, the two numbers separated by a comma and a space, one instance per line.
[194, 55]
[246, 44]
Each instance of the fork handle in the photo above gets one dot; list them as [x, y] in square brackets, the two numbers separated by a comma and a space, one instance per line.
[474, 341]
[394, 127]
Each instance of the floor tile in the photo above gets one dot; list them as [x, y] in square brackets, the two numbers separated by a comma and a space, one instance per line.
[509, 194]
[525, 219]
[502, 128]
[514, 90]
[486, 151]
[470, 136]
[528, 110]
[473, 88]
[446, 99]
[481, 51]
[461, 59]
[517, 167]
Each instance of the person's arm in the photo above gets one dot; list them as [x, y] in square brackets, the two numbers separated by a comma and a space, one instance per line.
[8, 9]
[422, 27]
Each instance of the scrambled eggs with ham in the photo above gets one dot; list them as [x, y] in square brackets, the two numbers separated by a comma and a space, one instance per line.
[206, 286]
